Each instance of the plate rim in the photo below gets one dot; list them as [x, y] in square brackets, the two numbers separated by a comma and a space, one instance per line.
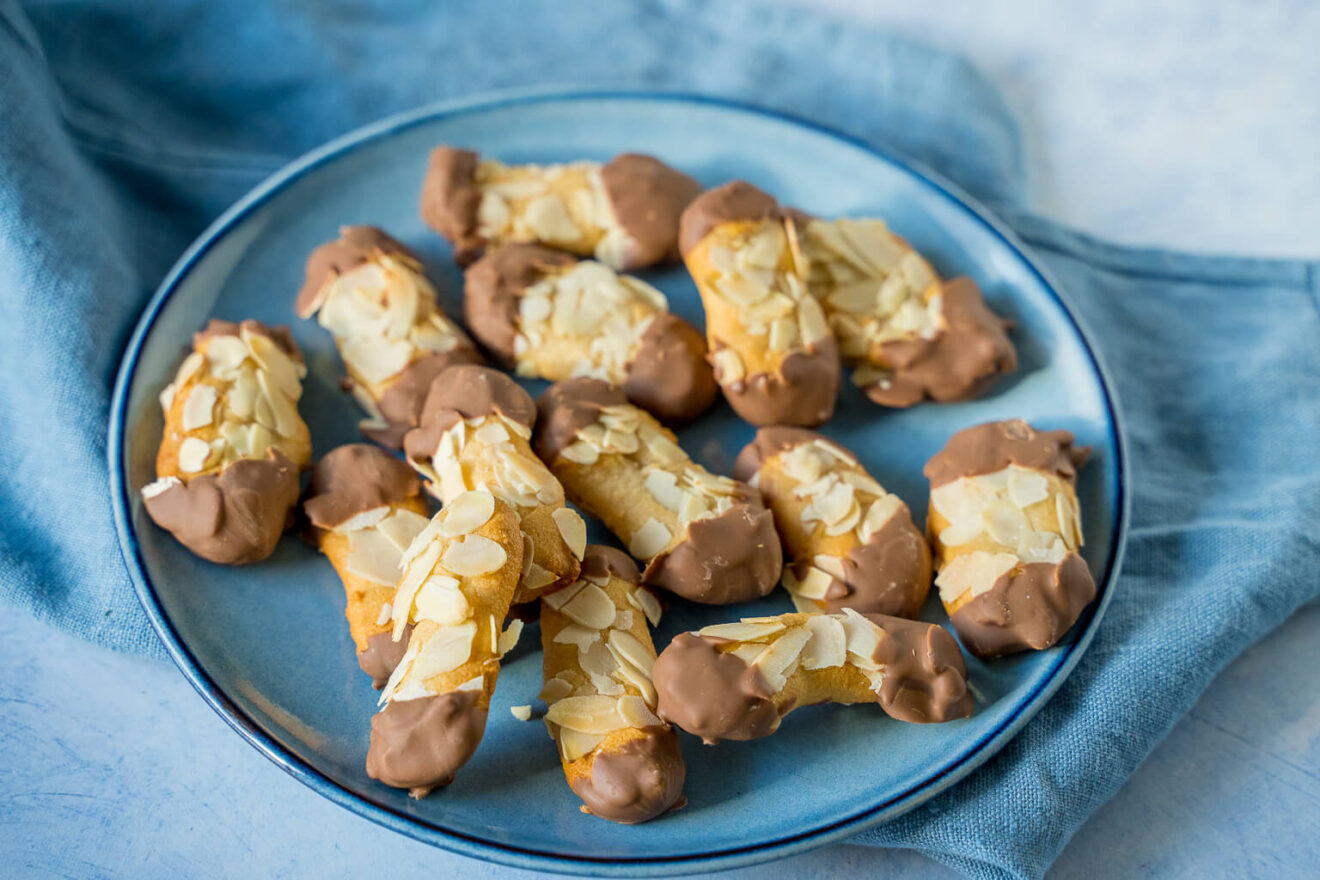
[953, 771]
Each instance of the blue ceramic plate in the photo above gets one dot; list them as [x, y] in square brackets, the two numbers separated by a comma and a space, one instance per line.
[267, 645]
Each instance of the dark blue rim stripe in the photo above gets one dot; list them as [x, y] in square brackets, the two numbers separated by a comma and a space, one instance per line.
[521, 857]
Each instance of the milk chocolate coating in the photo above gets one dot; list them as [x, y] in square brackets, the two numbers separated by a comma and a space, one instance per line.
[420, 744]
[382, 654]
[354, 478]
[450, 198]
[466, 392]
[669, 376]
[958, 363]
[889, 574]
[732, 557]
[492, 286]
[647, 197]
[355, 246]
[635, 782]
[993, 446]
[802, 392]
[234, 517]
[718, 696]
[401, 402]
[732, 202]
[278, 334]
[925, 677]
[1029, 608]
[712, 695]
[600, 561]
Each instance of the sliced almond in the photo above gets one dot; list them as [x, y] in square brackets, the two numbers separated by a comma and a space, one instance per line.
[199, 407]
[742, 631]
[829, 643]
[557, 599]
[728, 366]
[446, 650]
[636, 713]
[402, 526]
[863, 635]
[373, 557]
[581, 636]
[574, 744]
[364, 520]
[466, 513]
[555, 689]
[590, 607]
[778, 661]
[509, 638]
[473, 555]
[193, 454]
[815, 584]
[159, 487]
[225, 354]
[648, 603]
[881, 511]
[441, 599]
[538, 577]
[283, 371]
[1026, 487]
[651, 539]
[572, 529]
[586, 714]
[976, 571]
[663, 487]
[415, 573]
[627, 648]
[831, 565]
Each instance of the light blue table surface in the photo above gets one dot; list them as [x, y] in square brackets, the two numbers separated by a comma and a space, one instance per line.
[111, 766]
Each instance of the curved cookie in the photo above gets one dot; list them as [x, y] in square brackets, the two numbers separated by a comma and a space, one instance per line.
[364, 507]
[1006, 527]
[621, 759]
[853, 543]
[227, 468]
[909, 336]
[704, 537]
[623, 213]
[368, 290]
[459, 575]
[550, 316]
[737, 681]
[773, 354]
[474, 431]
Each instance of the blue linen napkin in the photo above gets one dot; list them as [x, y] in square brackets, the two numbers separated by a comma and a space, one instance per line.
[129, 125]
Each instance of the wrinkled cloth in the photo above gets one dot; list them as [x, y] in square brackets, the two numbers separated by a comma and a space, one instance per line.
[128, 126]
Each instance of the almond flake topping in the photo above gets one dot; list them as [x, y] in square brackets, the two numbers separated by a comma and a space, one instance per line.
[1010, 509]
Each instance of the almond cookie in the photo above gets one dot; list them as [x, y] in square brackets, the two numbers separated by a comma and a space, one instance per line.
[737, 681]
[772, 350]
[1006, 528]
[227, 469]
[368, 290]
[547, 315]
[909, 336]
[364, 507]
[853, 544]
[474, 434]
[459, 575]
[623, 213]
[621, 759]
[705, 537]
